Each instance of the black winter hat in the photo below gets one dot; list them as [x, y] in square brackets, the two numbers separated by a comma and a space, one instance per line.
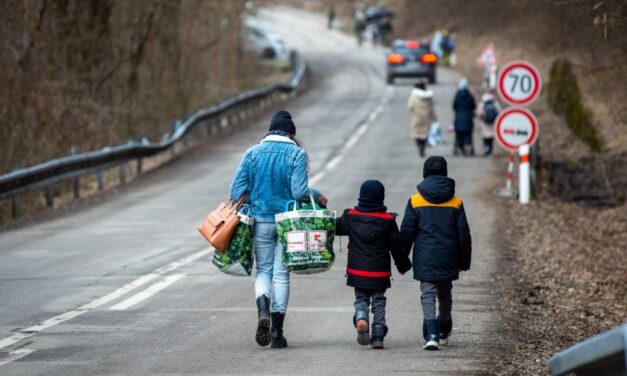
[371, 196]
[435, 165]
[282, 121]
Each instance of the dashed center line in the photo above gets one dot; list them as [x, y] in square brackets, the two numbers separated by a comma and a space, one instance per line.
[15, 355]
[147, 293]
[31, 331]
[363, 128]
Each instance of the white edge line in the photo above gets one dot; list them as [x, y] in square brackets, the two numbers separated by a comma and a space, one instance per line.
[28, 332]
[16, 355]
[147, 293]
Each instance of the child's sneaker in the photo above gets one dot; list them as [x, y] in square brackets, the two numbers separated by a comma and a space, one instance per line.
[446, 328]
[378, 333]
[430, 332]
[363, 332]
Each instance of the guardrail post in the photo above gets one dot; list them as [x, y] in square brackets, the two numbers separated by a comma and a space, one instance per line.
[49, 197]
[100, 180]
[15, 206]
[122, 173]
[76, 181]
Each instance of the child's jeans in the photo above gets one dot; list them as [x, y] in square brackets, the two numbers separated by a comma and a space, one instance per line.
[370, 298]
[441, 290]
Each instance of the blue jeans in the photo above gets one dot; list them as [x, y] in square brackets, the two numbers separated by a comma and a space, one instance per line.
[272, 279]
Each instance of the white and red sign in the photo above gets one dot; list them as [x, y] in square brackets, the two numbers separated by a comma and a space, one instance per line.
[516, 126]
[519, 83]
[488, 56]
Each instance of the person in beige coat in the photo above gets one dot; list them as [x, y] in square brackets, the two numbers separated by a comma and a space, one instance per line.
[420, 104]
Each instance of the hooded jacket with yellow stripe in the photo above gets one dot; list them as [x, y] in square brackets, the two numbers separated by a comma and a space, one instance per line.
[435, 223]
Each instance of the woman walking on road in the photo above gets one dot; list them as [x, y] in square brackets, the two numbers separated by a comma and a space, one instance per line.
[488, 111]
[420, 104]
[464, 106]
[273, 173]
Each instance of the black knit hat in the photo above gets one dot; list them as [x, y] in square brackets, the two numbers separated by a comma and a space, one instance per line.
[371, 196]
[282, 121]
[435, 165]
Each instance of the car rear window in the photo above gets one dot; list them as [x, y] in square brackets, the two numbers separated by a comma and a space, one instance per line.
[411, 51]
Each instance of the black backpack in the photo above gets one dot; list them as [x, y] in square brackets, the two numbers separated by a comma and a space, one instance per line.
[490, 112]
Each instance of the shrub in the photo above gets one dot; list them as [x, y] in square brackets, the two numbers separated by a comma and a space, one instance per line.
[565, 99]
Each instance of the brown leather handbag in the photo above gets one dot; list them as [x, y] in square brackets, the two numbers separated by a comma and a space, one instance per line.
[220, 224]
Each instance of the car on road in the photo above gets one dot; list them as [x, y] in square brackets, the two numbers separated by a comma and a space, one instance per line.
[411, 59]
[268, 45]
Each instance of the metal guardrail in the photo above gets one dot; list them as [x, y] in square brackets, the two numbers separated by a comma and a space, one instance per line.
[45, 174]
[605, 354]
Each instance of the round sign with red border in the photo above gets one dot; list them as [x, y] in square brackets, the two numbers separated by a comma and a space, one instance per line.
[516, 126]
[519, 83]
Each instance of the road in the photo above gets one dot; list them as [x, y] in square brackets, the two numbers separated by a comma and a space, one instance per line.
[126, 287]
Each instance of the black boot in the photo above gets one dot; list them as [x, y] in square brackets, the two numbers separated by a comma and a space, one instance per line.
[446, 327]
[278, 341]
[263, 324]
[378, 333]
[360, 320]
[431, 334]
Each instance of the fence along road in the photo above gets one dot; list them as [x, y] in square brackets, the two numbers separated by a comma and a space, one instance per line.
[126, 287]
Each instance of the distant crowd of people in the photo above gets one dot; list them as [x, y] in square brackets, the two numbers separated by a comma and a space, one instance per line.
[425, 129]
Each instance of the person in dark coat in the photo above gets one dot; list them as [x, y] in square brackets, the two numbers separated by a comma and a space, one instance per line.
[435, 223]
[373, 235]
[464, 105]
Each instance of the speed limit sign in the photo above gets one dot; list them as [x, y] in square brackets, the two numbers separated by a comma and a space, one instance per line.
[519, 83]
[516, 126]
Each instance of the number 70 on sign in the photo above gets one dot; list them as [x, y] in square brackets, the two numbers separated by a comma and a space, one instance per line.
[519, 83]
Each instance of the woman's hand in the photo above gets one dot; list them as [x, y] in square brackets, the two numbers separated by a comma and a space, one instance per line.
[323, 200]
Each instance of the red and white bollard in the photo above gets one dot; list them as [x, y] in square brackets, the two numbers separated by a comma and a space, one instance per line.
[510, 172]
[524, 182]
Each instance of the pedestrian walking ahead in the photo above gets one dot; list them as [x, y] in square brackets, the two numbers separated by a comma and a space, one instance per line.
[435, 223]
[420, 104]
[464, 106]
[273, 173]
[373, 235]
[487, 111]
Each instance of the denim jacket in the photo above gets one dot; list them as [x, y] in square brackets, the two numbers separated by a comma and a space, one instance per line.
[273, 173]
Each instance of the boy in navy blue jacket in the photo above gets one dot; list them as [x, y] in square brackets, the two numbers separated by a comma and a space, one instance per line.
[435, 222]
[373, 235]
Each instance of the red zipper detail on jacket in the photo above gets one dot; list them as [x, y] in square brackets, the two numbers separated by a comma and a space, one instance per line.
[364, 273]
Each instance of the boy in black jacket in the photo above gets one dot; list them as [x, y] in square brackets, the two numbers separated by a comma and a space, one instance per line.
[435, 222]
[373, 235]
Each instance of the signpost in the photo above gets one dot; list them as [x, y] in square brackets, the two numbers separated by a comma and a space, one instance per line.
[519, 83]
[514, 127]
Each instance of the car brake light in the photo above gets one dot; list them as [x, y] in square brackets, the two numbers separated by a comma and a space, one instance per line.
[412, 44]
[396, 59]
[429, 59]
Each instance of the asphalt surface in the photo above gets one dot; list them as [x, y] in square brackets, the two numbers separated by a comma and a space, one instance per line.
[127, 288]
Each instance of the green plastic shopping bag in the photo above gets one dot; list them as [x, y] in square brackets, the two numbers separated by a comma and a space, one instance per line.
[238, 258]
[306, 234]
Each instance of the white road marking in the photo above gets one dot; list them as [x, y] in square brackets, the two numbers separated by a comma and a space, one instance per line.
[147, 293]
[29, 332]
[331, 165]
[355, 137]
[15, 355]
[348, 308]
[15, 338]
